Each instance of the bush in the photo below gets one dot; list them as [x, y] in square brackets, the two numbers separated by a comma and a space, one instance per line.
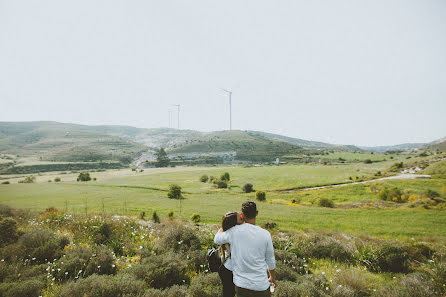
[204, 178]
[270, 225]
[389, 257]
[225, 177]
[155, 218]
[414, 284]
[284, 272]
[28, 288]
[248, 188]
[170, 215]
[100, 286]
[174, 291]
[28, 180]
[57, 179]
[196, 218]
[432, 194]
[206, 285]
[6, 183]
[291, 260]
[174, 192]
[368, 161]
[328, 247]
[103, 234]
[221, 184]
[178, 237]
[211, 178]
[8, 231]
[390, 194]
[261, 195]
[325, 202]
[162, 271]
[355, 279]
[84, 176]
[304, 286]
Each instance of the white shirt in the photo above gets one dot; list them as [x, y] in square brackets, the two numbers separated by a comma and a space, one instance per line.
[252, 253]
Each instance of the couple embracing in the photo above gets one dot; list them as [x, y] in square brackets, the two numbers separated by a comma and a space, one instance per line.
[247, 256]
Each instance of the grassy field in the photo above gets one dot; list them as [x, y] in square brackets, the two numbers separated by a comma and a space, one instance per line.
[126, 192]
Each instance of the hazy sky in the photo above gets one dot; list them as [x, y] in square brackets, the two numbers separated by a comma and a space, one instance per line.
[351, 72]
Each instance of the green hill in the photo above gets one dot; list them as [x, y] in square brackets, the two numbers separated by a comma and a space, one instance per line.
[59, 142]
[439, 145]
[249, 146]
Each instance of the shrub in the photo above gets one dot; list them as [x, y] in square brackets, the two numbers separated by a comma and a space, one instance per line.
[248, 188]
[414, 284]
[270, 225]
[378, 173]
[329, 247]
[162, 271]
[196, 218]
[178, 237]
[49, 181]
[28, 180]
[390, 194]
[103, 234]
[291, 260]
[29, 288]
[325, 202]
[84, 176]
[225, 177]
[204, 178]
[142, 215]
[174, 192]
[368, 161]
[103, 285]
[284, 272]
[6, 183]
[170, 215]
[211, 178]
[155, 217]
[8, 231]
[206, 285]
[432, 194]
[304, 286]
[57, 179]
[221, 184]
[41, 245]
[355, 279]
[261, 195]
[174, 291]
[388, 257]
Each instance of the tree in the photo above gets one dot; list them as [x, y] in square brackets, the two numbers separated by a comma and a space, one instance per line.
[162, 160]
[248, 188]
[174, 192]
[225, 176]
[84, 176]
[261, 195]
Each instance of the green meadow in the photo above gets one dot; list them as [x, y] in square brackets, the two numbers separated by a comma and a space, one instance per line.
[126, 192]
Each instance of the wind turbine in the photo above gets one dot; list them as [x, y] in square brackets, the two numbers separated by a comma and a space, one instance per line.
[230, 108]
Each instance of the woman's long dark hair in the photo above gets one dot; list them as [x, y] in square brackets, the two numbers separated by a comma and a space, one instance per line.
[228, 221]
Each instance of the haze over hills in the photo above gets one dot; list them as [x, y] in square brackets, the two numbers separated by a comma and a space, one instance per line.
[63, 142]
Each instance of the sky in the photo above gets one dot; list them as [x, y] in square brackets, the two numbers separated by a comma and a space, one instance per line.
[348, 72]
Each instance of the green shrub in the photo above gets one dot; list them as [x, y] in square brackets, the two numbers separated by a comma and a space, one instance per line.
[225, 177]
[6, 182]
[413, 284]
[103, 285]
[178, 237]
[368, 161]
[221, 184]
[170, 215]
[27, 288]
[28, 180]
[355, 279]
[248, 188]
[206, 285]
[196, 218]
[291, 260]
[8, 231]
[174, 192]
[84, 176]
[261, 195]
[174, 291]
[57, 179]
[155, 217]
[142, 215]
[432, 194]
[304, 286]
[331, 248]
[390, 194]
[325, 202]
[162, 271]
[269, 225]
[284, 272]
[204, 178]
[103, 234]
[211, 178]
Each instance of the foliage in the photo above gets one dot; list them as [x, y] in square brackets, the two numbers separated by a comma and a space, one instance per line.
[414, 284]
[178, 237]
[155, 218]
[174, 192]
[162, 160]
[196, 218]
[388, 257]
[84, 176]
[329, 247]
[204, 178]
[57, 179]
[325, 202]
[354, 279]
[270, 225]
[225, 177]
[103, 234]
[31, 288]
[8, 231]
[174, 291]
[206, 285]
[261, 195]
[170, 215]
[390, 194]
[162, 271]
[221, 184]
[248, 188]
[28, 180]
[6, 182]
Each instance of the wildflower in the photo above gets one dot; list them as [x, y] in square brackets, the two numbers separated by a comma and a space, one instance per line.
[66, 272]
[323, 273]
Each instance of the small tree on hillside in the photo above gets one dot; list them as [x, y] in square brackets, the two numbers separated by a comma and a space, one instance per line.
[84, 176]
[174, 192]
[261, 195]
[225, 176]
[248, 188]
[162, 160]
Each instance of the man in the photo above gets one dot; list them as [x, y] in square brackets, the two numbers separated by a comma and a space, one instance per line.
[252, 255]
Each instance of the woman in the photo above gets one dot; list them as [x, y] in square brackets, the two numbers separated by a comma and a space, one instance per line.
[228, 221]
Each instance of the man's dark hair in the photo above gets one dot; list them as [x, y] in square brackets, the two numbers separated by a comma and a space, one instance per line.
[249, 209]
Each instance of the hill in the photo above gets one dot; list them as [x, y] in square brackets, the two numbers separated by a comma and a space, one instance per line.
[398, 147]
[248, 146]
[60, 142]
[439, 144]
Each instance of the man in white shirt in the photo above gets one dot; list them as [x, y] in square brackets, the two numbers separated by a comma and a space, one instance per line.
[252, 254]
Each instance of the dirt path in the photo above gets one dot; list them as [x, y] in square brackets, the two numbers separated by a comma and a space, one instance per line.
[400, 176]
